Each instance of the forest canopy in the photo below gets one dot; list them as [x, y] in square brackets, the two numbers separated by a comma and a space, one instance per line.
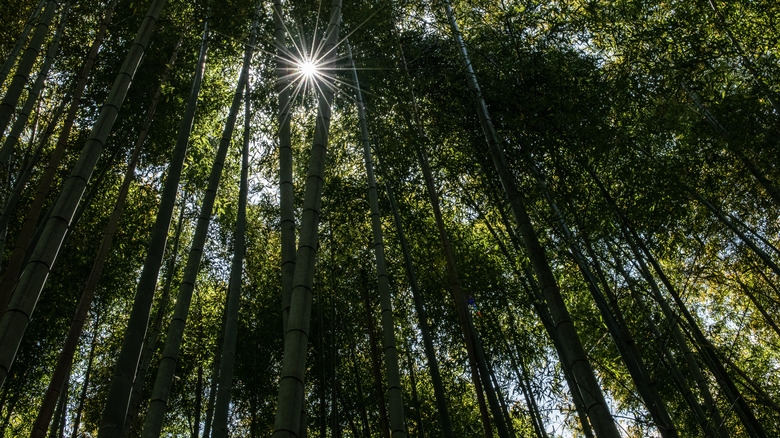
[450, 218]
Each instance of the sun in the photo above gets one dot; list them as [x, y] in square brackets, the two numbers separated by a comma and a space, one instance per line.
[308, 69]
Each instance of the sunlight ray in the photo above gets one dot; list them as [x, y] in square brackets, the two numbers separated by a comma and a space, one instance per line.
[307, 67]
[295, 45]
[350, 34]
[316, 27]
[299, 90]
[320, 92]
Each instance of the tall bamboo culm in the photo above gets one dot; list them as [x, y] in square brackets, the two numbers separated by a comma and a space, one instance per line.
[289, 419]
[155, 413]
[587, 384]
[27, 291]
[220, 427]
[115, 411]
[394, 393]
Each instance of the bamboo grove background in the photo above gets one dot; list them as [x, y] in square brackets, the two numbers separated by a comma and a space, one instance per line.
[478, 218]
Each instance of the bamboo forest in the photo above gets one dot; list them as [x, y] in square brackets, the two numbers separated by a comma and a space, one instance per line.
[390, 218]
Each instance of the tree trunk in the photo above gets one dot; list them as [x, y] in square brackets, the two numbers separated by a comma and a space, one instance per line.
[26, 293]
[351, 420]
[288, 422]
[649, 387]
[715, 425]
[252, 418]
[65, 358]
[335, 427]
[394, 394]
[23, 240]
[770, 188]
[633, 241]
[525, 387]
[155, 413]
[523, 380]
[534, 294]
[320, 352]
[10, 406]
[501, 401]
[754, 386]
[744, 412]
[199, 402]
[598, 411]
[32, 96]
[220, 425]
[22, 75]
